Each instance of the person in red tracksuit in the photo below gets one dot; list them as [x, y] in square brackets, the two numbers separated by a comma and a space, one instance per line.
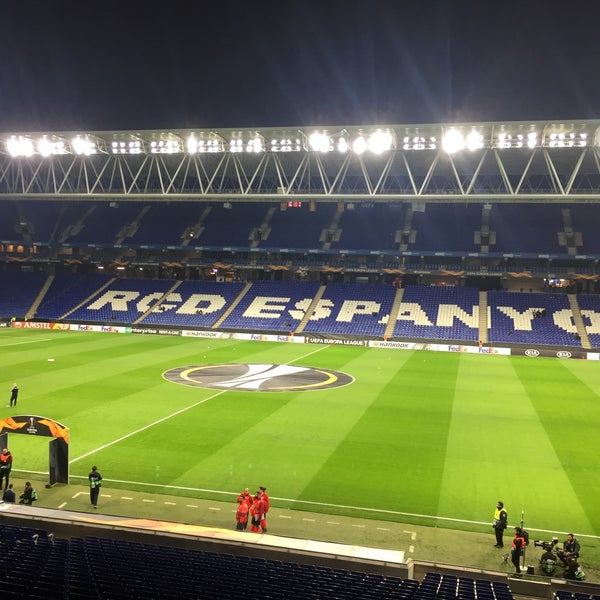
[241, 516]
[266, 505]
[244, 501]
[245, 496]
[256, 512]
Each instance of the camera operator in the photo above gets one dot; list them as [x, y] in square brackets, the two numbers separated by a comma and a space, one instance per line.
[570, 549]
[548, 560]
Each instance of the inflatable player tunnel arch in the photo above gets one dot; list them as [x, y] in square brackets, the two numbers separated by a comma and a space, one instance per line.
[58, 448]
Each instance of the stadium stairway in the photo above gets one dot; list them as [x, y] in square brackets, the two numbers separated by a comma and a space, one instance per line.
[33, 308]
[577, 318]
[483, 320]
[389, 330]
[158, 302]
[232, 306]
[310, 309]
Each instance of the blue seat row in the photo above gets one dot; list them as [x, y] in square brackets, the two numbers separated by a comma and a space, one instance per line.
[36, 565]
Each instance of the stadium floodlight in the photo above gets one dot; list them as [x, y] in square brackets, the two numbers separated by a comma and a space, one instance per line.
[209, 146]
[236, 145]
[320, 142]
[84, 145]
[192, 144]
[48, 146]
[380, 141]
[204, 143]
[567, 140]
[165, 146]
[509, 140]
[360, 145]
[255, 144]
[453, 141]
[532, 139]
[19, 145]
[342, 145]
[419, 142]
[126, 147]
[474, 141]
[286, 145]
[240, 143]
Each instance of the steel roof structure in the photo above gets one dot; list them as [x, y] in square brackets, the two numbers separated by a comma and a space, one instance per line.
[522, 161]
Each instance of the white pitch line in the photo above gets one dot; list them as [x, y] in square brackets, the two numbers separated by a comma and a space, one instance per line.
[191, 506]
[2, 345]
[126, 498]
[361, 509]
[62, 505]
[173, 414]
[307, 354]
[171, 503]
[295, 501]
[146, 500]
[161, 420]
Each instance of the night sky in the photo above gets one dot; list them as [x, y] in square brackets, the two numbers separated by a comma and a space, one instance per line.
[130, 65]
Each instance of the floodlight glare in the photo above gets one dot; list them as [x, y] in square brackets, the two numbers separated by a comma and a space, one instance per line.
[48, 147]
[319, 142]
[453, 141]
[83, 146]
[359, 145]
[19, 146]
[474, 141]
[44, 147]
[342, 145]
[532, 140]
[192, 144]
[380, 142]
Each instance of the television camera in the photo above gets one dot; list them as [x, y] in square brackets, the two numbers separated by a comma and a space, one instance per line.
[545, 544]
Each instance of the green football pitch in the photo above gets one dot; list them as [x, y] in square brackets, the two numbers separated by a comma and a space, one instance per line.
[414, 436]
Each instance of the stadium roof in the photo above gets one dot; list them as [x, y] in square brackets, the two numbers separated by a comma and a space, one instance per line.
[467, 162]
